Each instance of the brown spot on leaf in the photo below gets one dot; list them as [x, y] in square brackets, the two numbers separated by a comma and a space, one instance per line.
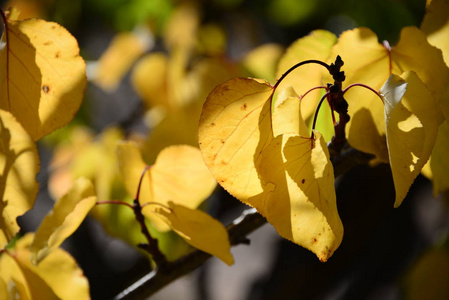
[303, 181]
[223, 141]
[46, 89]
[48, 43]
[244, 106]
[57, 54]
[314, 240]
[212, 124]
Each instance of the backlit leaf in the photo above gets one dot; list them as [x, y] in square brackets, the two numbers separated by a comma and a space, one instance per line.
[178, 175]
[19, 164]
[234, 129]
[43, 76]
[198, 229]
[57, 277]
[262, 61]
[66, 216]
[317, 45]
[436, 26]
[411, 124]
[368, 62]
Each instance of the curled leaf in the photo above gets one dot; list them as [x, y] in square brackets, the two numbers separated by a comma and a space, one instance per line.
[19, 164]
[412, 125]
[368, 62]
[44, 78]
[198, 229]
[66, 216]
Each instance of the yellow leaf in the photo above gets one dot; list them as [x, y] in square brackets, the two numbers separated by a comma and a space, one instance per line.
[124, 50]
[57, 277]
[43, 76]
[19, 164]
[368, 62]
[198, 229]
[437, 166]
[302, 206]
[317, 45]
[175, 177]
[149, 79]
[179, 175]
[66, 216]
[262, 61]
[411, 127]
[286, 115]
[427, 278]
[436, 26]
[235, 127]
[181, 29]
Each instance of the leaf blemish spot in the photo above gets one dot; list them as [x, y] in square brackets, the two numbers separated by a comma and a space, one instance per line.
[244, 106]
[303, 181]
[48, 43]
[46, 89]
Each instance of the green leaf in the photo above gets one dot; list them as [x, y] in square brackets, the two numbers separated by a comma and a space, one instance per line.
[66, 216]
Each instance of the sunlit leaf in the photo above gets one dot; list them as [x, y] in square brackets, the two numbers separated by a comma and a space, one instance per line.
[368, 62]
[198, 229]
[234, 129]
[57, 277]
[19, 164]
[66, 216]
[436, 26]
[317, 46]
[411, 124]
[302, 207]
[175, 177]
[43, 76]
[179, 175]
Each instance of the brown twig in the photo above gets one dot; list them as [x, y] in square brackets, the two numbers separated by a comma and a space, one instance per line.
[238, 231]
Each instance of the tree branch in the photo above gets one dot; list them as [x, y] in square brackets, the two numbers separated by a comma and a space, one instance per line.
[249, 221]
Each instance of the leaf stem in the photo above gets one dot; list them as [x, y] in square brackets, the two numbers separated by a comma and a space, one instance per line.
[152, 246]
[311, 61]
[364, 86]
